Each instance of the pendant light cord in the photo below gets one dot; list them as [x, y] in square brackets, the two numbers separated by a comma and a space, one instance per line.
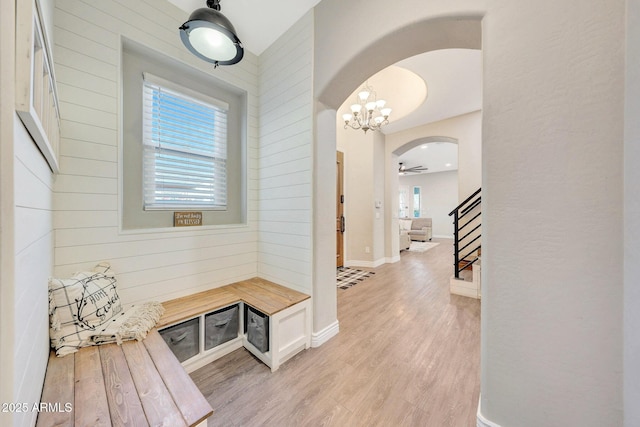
[213, 4]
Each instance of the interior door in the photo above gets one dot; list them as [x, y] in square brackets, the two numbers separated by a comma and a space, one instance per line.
[340, 223]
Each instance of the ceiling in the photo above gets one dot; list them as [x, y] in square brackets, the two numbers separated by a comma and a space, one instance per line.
[257, 23]
[452, 77]
[453, 81]
[436, 156]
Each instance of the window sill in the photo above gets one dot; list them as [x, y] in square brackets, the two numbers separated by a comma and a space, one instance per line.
[180, 230]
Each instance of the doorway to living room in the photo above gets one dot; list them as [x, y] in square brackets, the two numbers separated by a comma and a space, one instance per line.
[428, 185]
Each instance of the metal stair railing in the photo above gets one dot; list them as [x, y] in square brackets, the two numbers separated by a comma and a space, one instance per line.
[467, 212]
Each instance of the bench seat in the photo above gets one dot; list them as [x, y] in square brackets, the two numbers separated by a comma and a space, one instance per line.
[138, 383]
[268, 297]
[289, 314]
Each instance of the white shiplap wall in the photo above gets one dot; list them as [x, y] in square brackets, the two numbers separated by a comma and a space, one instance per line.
[151, 265]
[33, 189]
[286, 162]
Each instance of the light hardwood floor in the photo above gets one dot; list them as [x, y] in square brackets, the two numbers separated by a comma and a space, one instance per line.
[407, 354]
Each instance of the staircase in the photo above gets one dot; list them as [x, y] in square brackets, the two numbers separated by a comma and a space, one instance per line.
[467, 246]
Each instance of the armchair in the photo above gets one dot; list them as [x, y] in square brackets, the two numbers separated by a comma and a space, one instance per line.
[405, 240]
[420, 229]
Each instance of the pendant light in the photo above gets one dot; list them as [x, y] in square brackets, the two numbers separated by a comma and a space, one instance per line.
[210, 36]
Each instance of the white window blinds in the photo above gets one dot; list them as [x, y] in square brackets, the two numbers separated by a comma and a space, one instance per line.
[184, 148]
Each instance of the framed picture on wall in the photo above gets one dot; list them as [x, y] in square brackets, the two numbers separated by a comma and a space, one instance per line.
[36, 93]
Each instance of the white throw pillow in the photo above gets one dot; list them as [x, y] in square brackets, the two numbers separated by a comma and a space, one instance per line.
[81, 306]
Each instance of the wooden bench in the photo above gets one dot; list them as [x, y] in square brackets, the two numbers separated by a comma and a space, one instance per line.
[139, 383]
[289, 314]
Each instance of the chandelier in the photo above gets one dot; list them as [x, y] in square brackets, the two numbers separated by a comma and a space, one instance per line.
[368, 112]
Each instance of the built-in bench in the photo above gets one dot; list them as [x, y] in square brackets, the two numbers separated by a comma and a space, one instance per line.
[138, 383]
[288, 312]
[142, 383]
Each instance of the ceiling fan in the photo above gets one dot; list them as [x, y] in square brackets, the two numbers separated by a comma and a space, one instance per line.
[414, 169]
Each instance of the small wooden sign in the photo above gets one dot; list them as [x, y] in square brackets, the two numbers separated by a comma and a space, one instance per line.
[187, 219]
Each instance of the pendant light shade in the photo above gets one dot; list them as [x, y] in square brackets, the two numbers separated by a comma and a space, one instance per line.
[210, 36]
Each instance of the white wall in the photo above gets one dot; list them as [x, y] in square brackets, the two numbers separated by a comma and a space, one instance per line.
[378, 213]
[358, 194]
[467, 130]
[285, 174]
[632, 219]
[325, 304]
[296, 244]
[7, 207]
[364, 180]
[26, 245]
[439, 193]
[547, 287]
[155, 265]
[33, 183]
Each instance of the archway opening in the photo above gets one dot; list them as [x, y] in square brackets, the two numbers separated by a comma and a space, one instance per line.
[332, 85]
[427, 183]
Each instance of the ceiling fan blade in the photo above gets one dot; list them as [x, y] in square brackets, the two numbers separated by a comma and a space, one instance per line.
[402, 169]
[416, 169]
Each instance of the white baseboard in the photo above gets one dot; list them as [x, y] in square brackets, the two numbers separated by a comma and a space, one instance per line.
[365, 264]
[463, 288]
[391, 260]
[442, 236]
[321, 337]
[481, 421]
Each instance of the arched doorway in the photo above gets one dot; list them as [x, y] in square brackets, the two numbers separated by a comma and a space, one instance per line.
[334, 79]
[437, 188]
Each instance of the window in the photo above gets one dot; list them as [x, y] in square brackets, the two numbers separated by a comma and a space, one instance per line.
[184, 143]
[416, 202]
[184, 148]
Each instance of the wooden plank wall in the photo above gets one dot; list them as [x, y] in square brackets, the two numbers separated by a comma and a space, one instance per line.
[73, 218]
[33, 183]
[150, 265]
[286, 162]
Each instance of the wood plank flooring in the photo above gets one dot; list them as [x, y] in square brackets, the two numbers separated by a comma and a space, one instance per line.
[407, 354]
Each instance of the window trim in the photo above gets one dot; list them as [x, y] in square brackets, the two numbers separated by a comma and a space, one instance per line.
[132, 218]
